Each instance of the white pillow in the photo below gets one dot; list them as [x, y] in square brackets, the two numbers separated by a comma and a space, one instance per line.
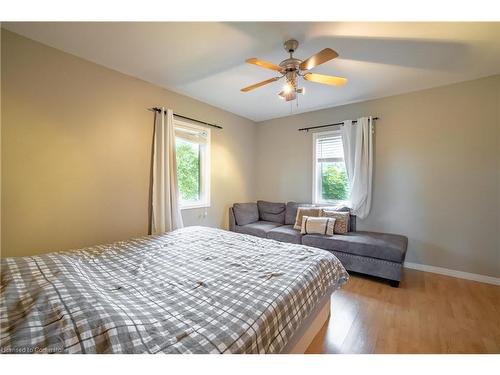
[318, 225]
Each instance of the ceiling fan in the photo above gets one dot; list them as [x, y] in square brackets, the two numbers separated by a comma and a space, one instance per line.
[293, 68]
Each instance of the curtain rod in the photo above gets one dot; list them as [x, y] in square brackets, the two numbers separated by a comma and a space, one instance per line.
[325, 126]
[155, 109]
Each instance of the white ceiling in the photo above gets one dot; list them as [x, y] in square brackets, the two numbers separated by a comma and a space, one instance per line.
[206, 60]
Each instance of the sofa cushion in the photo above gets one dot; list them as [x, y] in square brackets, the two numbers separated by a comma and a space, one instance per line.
[245, 213]
[291, 211]
[259, 228]
[269, 211]
[391, 247]
[285, 233]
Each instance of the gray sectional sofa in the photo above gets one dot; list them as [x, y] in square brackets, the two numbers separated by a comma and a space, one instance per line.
[376, 254]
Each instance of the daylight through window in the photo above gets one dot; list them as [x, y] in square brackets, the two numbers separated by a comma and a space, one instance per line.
[330, 184]
[192, 146]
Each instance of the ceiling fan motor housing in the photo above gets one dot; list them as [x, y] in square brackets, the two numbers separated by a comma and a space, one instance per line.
[291, 64]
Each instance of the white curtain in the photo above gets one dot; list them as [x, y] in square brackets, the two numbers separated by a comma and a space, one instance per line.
[165, 213]
[357, 140]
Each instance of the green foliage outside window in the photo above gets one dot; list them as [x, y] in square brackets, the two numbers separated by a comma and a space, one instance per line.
[188, 169]
[334, 182]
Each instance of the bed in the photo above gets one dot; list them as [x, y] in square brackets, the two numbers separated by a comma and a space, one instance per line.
[193, 290]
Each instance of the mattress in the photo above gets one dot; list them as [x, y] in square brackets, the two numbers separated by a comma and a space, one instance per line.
[193, 290]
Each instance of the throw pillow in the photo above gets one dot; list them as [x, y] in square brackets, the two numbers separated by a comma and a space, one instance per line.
[341, 220]
[305, 211]
[291, 211]
[318, 225]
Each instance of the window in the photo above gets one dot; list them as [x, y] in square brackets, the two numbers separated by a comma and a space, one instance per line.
[192, 147]
[330, 183]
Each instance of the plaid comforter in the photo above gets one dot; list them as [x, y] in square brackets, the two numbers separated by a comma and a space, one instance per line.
[194, 290]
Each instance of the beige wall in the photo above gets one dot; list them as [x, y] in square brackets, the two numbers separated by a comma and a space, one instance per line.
[76, 151]
[437, 170]
[0, 143]
[498, 170]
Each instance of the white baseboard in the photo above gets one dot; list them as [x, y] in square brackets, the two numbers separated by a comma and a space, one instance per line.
[453, 273]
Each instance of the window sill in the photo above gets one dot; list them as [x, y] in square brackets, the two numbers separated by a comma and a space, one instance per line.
[333, 203]
[194, 206]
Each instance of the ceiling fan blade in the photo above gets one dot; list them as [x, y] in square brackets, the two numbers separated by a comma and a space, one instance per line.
[321, 57]
[256, 85]
[327, 80]
[263, 64]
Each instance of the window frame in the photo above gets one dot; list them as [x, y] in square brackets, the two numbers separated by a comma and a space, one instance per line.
[316, 177]
[204, 201]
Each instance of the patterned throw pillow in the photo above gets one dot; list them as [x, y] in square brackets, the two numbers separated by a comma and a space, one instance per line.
[318, 225]
[305, 211]
[341, 220]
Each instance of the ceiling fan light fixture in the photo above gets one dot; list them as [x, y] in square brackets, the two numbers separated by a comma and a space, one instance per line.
[291, 95]
[287, 88]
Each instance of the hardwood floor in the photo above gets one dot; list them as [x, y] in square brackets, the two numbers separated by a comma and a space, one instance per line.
[428, 313]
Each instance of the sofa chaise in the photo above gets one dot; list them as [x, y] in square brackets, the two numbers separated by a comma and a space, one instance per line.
[377, 254]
